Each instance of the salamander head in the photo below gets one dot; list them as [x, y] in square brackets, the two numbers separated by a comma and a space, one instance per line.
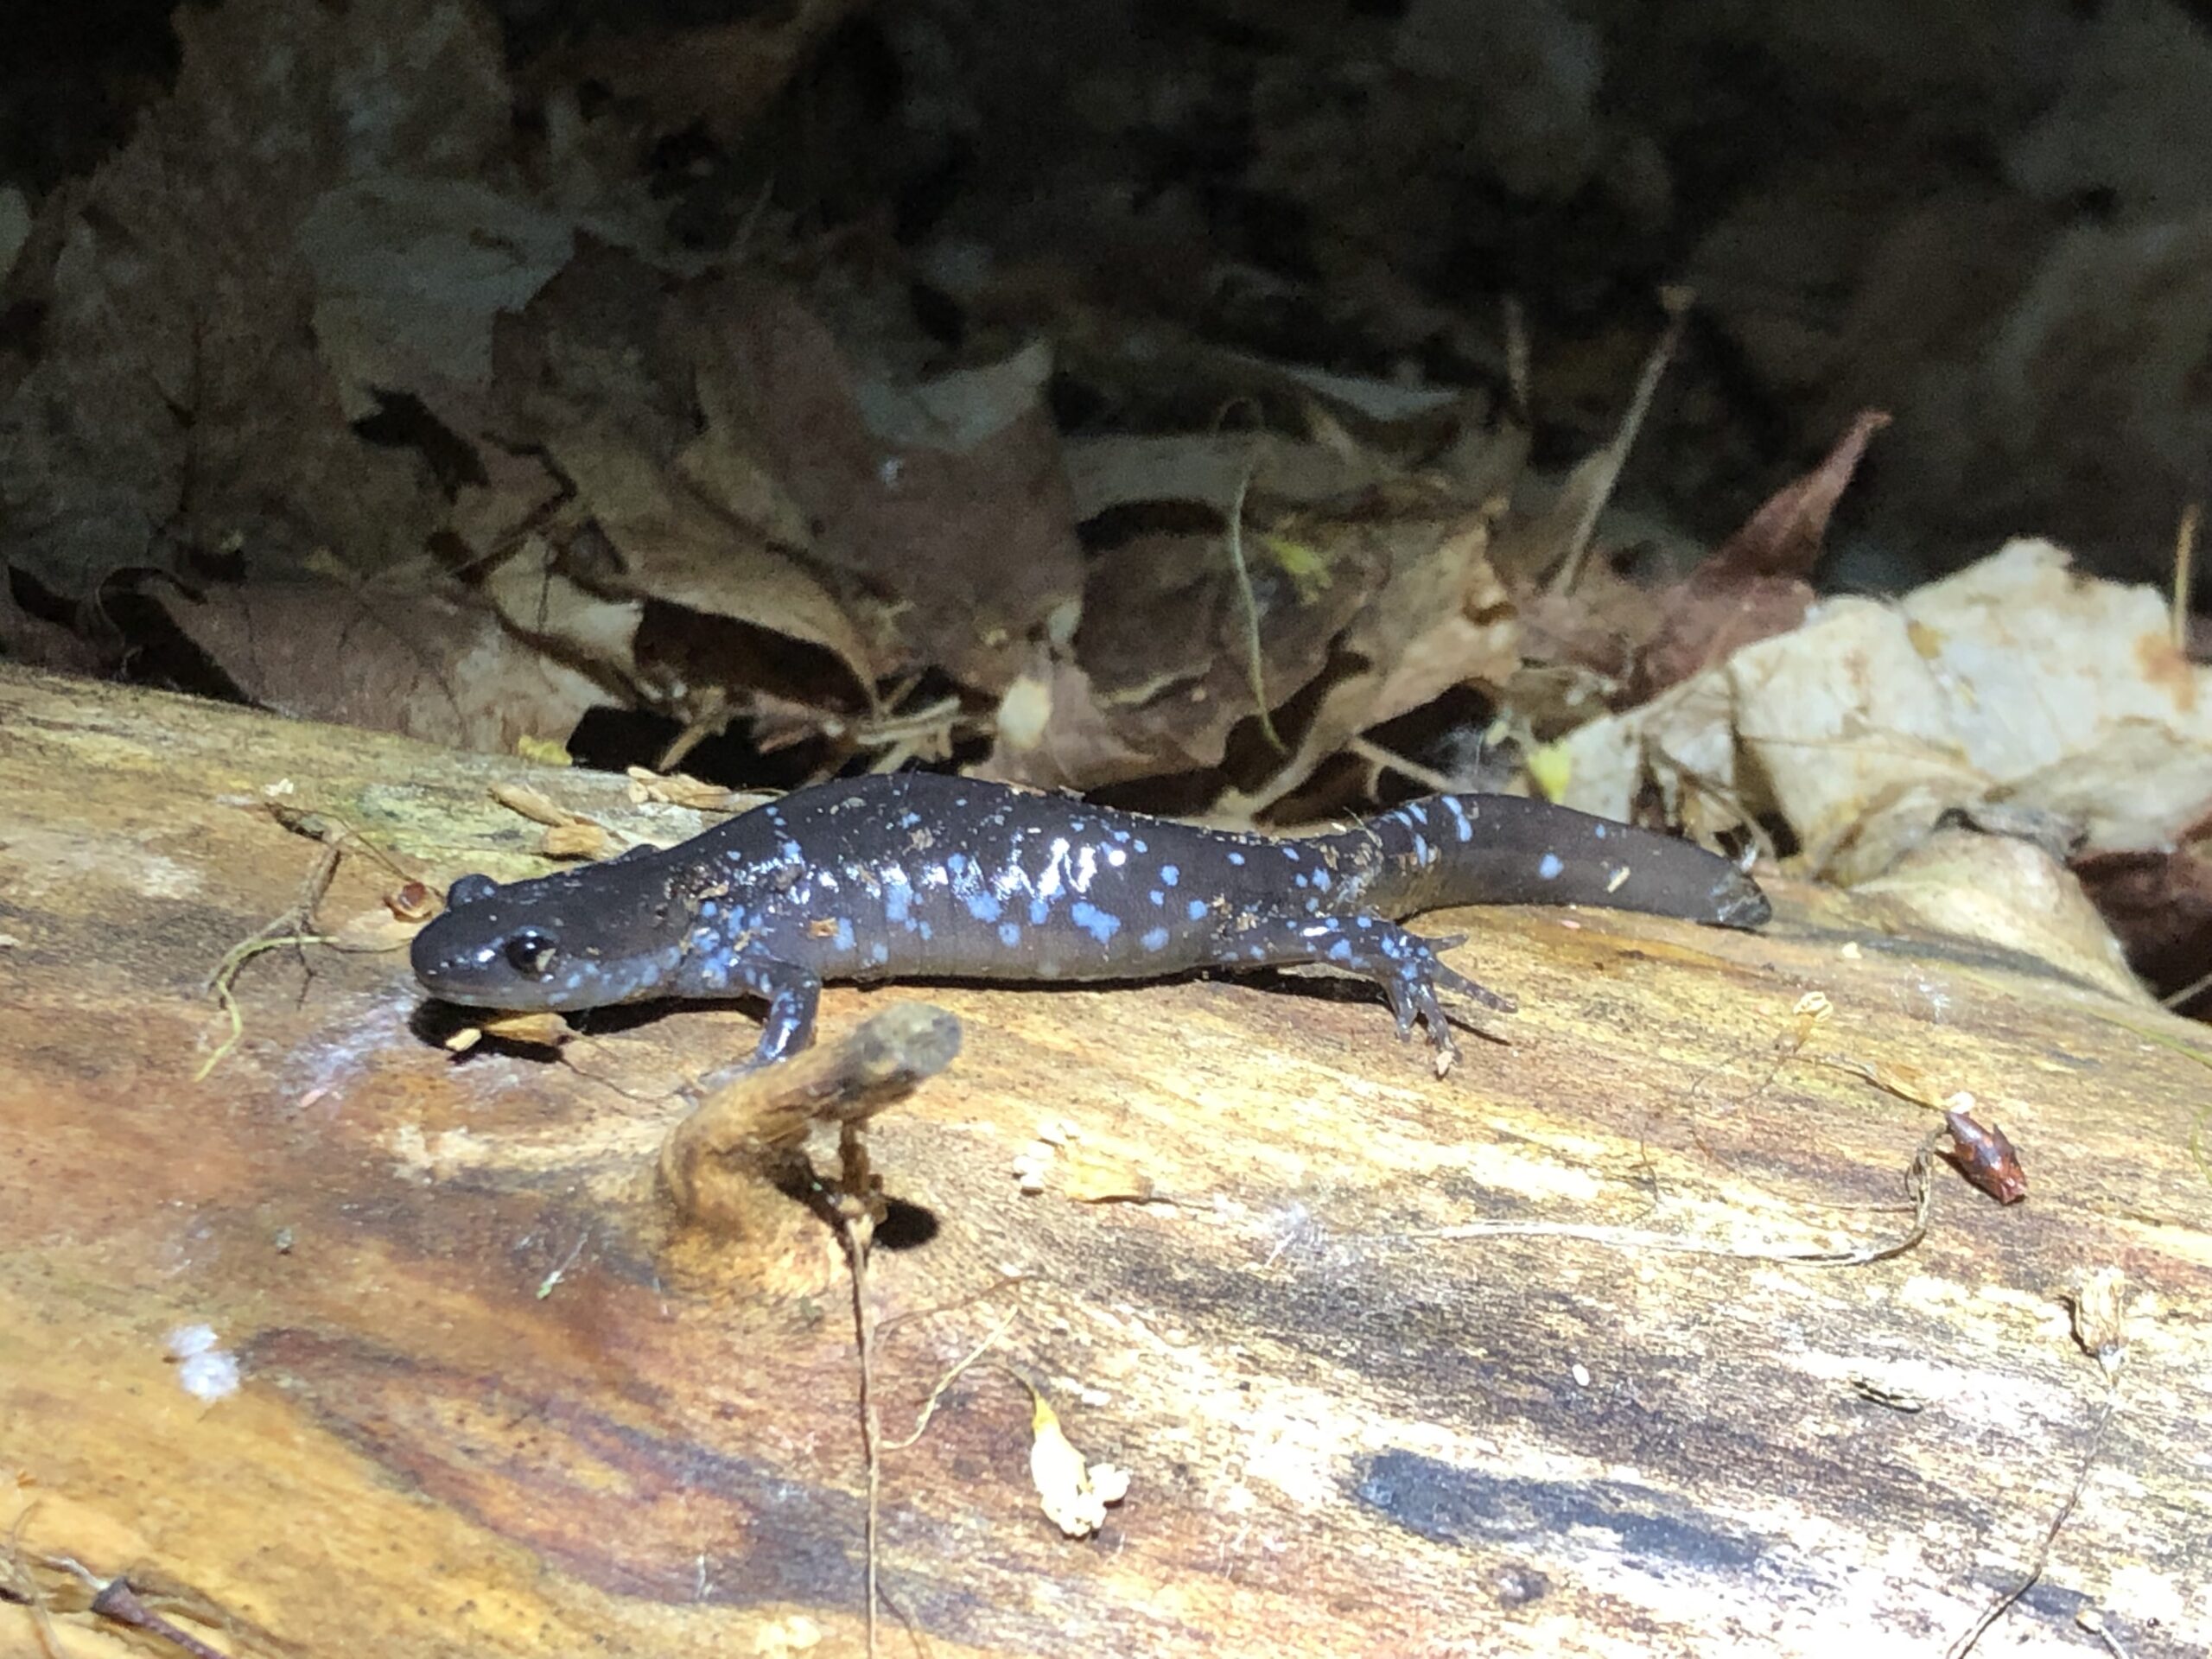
[578, 939]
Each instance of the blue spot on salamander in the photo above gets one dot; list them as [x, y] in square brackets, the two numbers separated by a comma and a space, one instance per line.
[1009, 934]
[1550, 866]
[1102, 925]
[897, 896]
[1040, 913]
[1195, 909]
[1169, 875]
[844, 933]
[984, 906]
[1237, 858]
[1155, 940]
[1340, 951]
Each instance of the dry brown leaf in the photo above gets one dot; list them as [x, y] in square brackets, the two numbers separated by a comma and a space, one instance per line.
[1783, 537]
[580, 839]
[940, 511]
[493, 511]
[2005, 893]
[681, 789]
[1165, 635]
[380, 325]
[675, 548]
[535, 804]
[1074, 745]
[600, 370]
[415, 663]
[1440, 619]
[546, 607]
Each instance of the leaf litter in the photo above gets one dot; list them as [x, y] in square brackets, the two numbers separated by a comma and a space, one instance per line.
[464, 403]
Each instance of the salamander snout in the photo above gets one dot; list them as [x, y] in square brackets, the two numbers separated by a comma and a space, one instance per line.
[613, 932]
[478, 957]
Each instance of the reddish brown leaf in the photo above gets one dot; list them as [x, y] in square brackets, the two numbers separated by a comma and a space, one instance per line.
[1754, 585]
[1783, 538]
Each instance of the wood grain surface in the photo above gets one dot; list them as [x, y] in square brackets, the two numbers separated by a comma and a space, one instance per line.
[497, 1400]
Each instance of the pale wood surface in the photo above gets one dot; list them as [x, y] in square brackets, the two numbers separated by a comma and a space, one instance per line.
[496, 1403]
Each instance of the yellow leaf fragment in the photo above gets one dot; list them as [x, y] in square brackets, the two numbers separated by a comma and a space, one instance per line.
[544, 750]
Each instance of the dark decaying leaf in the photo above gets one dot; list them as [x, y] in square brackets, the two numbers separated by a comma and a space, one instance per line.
[591, 374]
[2158, 901]
[939, 514]
[1358, 622]
[176, 398]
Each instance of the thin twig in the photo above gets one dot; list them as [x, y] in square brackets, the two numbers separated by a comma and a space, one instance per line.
[1249, 609]
[2184, 571]
[1518, 400]
[858, 1227]
[2175, 999]
[1006, 1283]
[1997, 1609]
[1376, 755]
[26, 1588]
[1677, 301]
[928, 1405]
[1923, 1191]
[291, 928]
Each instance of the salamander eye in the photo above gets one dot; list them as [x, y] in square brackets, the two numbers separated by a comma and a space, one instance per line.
[530, 953]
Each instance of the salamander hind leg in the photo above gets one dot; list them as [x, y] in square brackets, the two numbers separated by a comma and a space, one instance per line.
[1404, 964]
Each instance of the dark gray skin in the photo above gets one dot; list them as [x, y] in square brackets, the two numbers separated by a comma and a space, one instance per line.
[918, 876]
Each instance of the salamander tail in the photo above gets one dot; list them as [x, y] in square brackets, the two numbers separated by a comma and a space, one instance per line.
[1501, 849]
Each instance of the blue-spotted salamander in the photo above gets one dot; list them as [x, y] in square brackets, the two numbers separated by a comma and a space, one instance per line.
[914, 875]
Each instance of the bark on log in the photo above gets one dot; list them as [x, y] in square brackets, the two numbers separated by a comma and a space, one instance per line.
[497, 1400]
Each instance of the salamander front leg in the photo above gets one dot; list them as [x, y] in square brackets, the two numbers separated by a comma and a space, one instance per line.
[793, 993]
[1404, 964]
